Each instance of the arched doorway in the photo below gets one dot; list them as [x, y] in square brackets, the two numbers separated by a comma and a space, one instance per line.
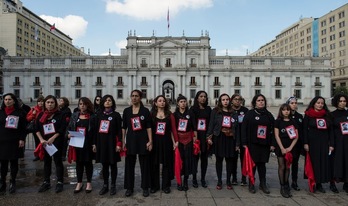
[168, 90]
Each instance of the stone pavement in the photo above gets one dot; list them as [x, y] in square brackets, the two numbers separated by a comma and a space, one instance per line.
[30, 179]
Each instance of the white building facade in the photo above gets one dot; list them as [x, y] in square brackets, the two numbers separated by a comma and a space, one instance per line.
[169, 66]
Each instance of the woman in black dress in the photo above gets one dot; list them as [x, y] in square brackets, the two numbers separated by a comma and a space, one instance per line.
[286, 135]
[318, 139]
[163, 141]
[96, 103]
[185, 125]
[223, 128]
[63, 105]
[108, 131]
[339, 169]
[201, 112]
[298, 148]
[258, 135]
[13, 133]
[82, 121]
[240, 111]
[51, 126]
[137, 140]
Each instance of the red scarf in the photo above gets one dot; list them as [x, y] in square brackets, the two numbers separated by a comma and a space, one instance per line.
[86, 115]
[9, 110]
[315, 114]
[46, 115]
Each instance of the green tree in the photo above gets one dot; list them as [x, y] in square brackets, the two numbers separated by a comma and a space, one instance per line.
[341, 90]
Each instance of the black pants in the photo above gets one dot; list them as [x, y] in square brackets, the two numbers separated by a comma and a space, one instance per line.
[129, 171]
[80, 166]
[57, 157]
[204, 164]
[155, 177]
[261, 169]
[218, 166]
[235, 163]
[106, 173]
[4, 169]
[294, 165]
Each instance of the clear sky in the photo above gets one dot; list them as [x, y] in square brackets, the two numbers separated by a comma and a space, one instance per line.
[236, 26]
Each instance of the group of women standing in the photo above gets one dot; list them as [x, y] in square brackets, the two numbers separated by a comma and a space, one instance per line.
[153, 135]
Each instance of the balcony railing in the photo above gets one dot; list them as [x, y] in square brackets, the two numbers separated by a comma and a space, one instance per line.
[143, 65]
[193, 84]
[36, 84]
[78, 83]
[98, 83]
[143, 83]
[217, 83]
[193, 65]
[119, 83]
[298, 83]
[258, 83]
[57, 83]
[278, 83]
[168, 65]
[16, 83]
[237, 84]
[317, 83]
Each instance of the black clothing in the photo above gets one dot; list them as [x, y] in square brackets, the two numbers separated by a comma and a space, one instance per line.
[340, 117]
[319, 141]
[281, 125]
[253, 127]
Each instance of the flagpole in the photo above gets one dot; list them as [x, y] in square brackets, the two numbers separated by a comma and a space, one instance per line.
[168, 21]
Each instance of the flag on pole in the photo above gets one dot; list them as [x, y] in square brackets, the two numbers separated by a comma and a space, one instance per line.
[53, 27]
[168, 18]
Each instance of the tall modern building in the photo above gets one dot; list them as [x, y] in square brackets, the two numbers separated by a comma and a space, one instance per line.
[23, 33]
[316, 37]
[168, 66]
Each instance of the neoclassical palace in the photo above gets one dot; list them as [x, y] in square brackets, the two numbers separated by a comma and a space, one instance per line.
[169, 66]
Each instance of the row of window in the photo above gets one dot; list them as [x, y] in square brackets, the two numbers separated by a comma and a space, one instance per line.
[119, 94]
[144, 82]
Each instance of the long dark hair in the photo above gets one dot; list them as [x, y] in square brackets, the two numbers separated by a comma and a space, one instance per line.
[88, 103]
[103, 100]
[218, 106]
[16, 104]
[154, 110]
[312, 103]
[195, 101]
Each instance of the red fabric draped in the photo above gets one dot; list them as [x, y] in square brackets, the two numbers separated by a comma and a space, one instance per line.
[248, 165]
[309, 173]
[46, 114]
[178, 166]
[288, 159]
[71, 154]
[196, 147]
[123, 152]
[39, 152]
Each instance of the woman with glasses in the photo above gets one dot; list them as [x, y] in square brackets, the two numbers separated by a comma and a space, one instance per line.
[240, 111]
[96, 103]
[258, 135]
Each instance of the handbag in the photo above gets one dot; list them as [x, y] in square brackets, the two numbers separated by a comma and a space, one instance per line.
[31, 126]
